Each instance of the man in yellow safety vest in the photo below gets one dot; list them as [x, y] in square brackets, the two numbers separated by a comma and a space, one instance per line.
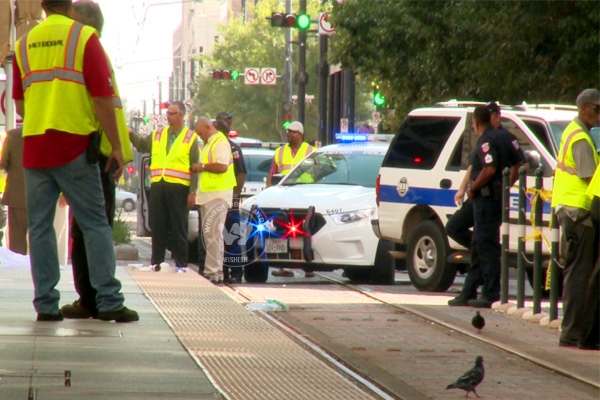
[284, 159]
[576, 163]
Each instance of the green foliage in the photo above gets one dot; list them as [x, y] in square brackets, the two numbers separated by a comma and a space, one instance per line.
[257, 110]
[421, 52]
[121, 231]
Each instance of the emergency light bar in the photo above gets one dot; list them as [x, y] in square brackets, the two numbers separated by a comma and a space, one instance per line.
[261, 145]
[363, 137]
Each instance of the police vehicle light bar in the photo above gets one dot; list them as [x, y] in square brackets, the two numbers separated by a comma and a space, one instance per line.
[362, 137]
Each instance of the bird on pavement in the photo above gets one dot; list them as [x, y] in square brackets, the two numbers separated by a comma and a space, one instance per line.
[470, 379]
[478, 322]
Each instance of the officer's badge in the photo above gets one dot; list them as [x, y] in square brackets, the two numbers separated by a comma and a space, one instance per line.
[515, 144]
[485, 147]
[488, 158]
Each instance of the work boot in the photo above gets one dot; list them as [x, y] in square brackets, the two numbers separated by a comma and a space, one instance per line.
[481, 302]
[77, 311]
[458, 301]
[122, 315]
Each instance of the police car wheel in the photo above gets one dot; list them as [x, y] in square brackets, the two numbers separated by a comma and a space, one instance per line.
[257, 272]
[128, 205]
[426, 258]
[384, 270]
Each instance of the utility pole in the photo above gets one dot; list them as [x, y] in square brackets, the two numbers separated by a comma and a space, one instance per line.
[287, 73]
[301, 66]
[323, 76]
[159, 97]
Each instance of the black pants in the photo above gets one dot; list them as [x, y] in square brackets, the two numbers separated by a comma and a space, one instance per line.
[81, 273]
[485, 250]
[579, 263]
[169, 216]
[460, 223]
[201, 247]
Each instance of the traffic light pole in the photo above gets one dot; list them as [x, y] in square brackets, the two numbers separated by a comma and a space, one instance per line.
[301, 66]
[287, 74]
[323, 75]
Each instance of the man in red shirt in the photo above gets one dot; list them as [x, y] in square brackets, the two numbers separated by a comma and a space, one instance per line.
[59, 161]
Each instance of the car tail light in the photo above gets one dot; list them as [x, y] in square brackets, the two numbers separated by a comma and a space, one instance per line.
[377, 185]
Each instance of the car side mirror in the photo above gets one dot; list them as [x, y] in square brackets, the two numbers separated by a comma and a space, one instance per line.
[533, 158]
[275, 179]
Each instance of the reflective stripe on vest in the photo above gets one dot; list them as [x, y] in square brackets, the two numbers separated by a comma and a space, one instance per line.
[568, 188]
[284, 155]
[50, 59]
[174, 166]
[210, 181]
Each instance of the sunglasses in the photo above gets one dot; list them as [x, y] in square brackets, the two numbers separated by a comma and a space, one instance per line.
[596, 109]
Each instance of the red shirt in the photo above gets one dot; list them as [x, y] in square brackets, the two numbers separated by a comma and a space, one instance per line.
[56, 148]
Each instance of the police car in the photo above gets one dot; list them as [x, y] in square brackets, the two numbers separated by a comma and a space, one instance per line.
[420, 175]
[318, 217]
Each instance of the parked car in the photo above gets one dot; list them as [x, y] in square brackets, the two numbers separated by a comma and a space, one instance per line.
[318, 217]
[125, 200]
[422, 171]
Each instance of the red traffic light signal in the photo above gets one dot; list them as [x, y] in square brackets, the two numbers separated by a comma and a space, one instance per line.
[226, 74]
[217, 74]
[130, 169]
[164, 105]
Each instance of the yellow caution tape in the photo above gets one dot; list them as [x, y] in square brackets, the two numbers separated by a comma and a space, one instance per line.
[545, 196]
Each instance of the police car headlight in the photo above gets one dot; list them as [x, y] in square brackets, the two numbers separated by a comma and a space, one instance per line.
[354, 216]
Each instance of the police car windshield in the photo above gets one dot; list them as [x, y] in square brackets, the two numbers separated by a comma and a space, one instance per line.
[338, 167]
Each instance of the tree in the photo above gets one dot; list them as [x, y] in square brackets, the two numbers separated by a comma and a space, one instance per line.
[421, 52]
[257, 110]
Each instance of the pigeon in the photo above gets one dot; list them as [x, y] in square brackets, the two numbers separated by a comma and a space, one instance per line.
[478, 322]
[470, 379]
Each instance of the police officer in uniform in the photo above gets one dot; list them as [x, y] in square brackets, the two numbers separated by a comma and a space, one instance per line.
[485, 191]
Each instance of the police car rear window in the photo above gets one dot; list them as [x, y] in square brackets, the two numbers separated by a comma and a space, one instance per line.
[419, 142]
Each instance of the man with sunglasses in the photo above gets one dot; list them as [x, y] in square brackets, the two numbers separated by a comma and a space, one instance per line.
[576, 163]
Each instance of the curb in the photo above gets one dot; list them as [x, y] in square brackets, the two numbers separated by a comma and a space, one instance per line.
[126, 252]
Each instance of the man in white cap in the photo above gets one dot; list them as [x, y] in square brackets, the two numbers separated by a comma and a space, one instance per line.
[285, 158]
[576, 163]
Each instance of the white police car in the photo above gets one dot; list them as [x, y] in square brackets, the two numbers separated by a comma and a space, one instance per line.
[422, 171]
[318, 217]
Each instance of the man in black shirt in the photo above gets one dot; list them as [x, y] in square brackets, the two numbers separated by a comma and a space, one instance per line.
[485, 191]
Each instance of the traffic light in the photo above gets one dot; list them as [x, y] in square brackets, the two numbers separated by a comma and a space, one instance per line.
[226, 74]
[282, 20]
[146, 119]
[164, 105]
[287, 119]
[378, 98]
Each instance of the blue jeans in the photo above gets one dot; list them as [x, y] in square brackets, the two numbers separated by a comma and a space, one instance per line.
[79, 181]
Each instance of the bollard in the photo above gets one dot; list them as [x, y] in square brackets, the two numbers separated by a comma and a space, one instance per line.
[521, 235]
[554, 279]
[505, 230]
[537, 243]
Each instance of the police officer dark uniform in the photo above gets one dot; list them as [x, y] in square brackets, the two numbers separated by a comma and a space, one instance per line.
[485, 192]
[460, 223]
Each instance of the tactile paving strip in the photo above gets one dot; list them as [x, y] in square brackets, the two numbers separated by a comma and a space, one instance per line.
[244, 355]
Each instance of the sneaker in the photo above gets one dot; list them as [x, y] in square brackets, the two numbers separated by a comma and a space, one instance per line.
[480, 303]
[122, 315]
[309, 274]
[154, 267]
[283, 273]
[458, 301]
[181, 270]
[76, 311]
[50, 317]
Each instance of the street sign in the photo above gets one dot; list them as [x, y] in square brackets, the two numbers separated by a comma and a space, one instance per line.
[143, 130]
[344, 125]
[325, 27]
[268, 76]
[252, 76]
[376, 118]
[189, 105]
[155, 119]
[308, 99]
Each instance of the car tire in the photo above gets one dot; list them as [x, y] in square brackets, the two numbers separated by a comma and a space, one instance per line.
[384, 271]
[128, 205]
[426, 258]
[257, 272]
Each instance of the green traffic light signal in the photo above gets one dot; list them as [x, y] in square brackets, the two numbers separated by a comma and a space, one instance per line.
[235, 75]
[378, 99]
[303, 21]
[286, 124]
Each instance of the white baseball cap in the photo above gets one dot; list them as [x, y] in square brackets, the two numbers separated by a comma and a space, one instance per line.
[296, 126]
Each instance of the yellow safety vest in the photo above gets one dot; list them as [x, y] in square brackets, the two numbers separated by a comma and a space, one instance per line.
[210, 181]
[172, 167]
[284, 159]
[594, 187]
[50, 59]
[105, 146]
[569, 189]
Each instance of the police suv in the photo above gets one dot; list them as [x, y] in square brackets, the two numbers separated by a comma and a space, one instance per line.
[422, 171]
[318, 217]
